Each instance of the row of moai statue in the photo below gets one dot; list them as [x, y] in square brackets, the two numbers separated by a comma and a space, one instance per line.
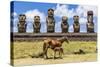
[50, 21]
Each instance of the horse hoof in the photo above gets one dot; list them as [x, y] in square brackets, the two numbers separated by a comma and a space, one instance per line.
[46, 58]
[61, 58]
[54, 57]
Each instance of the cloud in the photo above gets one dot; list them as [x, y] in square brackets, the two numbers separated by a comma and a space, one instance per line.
[14, 21]
[31, 13]
[43, 27]
[83, 9]
[71, 28]
[83, 28]
[83, 20]
[62, 10]
[14, 14]
[29, 27]
[58, 26]
[15, 29]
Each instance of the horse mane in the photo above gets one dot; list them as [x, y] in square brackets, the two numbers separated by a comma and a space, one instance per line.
[61, 40]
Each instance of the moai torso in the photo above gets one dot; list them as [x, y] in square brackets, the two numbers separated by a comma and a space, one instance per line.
[50, 21]
[22, 23]
[90, 24]
[37, 24]
[64, 24]
[76, 24]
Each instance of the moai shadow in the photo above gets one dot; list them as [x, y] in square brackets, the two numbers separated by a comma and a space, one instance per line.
[22, 23]
[76, 24]
[50, 21]
[36, 24]
[64, 24]
[90, 24]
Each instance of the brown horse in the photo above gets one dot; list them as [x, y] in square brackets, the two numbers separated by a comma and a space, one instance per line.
[52, 43]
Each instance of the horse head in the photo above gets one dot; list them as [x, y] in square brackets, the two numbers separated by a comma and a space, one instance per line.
[65, 39]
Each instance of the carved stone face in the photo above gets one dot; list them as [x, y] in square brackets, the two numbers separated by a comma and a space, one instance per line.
[36, 19]
[76, 18]
[22, 17]
[90, 16]
[64, 18]
[50, 12]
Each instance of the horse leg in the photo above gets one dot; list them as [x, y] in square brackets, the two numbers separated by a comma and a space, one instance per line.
[45, 48]
[54, 54]
[60, 53]
[46, 53]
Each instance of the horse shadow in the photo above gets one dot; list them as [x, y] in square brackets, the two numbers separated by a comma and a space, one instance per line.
[54, 58]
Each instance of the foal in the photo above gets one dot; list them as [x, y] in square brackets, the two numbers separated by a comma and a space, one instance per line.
[60, 50]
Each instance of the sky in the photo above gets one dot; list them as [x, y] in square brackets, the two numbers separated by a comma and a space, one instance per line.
[30, 9]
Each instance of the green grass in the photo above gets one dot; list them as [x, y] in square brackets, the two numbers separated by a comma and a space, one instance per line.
[25, 49]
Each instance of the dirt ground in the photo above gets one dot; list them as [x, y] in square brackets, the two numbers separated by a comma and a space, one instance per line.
[66, 59]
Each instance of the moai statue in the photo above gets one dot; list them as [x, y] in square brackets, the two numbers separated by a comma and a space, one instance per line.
[76, 24]
[37, 24]
[50, 21]
[22, 23]
[64, 24]
[90, 24]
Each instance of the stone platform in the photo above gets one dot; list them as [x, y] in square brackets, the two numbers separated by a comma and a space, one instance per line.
[42, 36]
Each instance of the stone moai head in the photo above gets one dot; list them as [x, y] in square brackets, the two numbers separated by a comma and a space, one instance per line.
[64, 24]
[90, 16]
[22, 18]
[36, 18]
[76, 24]
[76, 19]
[50, 12]
[90, 24]
[50, 21]
[36, 24]
[22, 23]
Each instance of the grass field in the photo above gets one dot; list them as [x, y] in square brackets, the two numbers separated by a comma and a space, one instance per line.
[24, 50]
[67, 59]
